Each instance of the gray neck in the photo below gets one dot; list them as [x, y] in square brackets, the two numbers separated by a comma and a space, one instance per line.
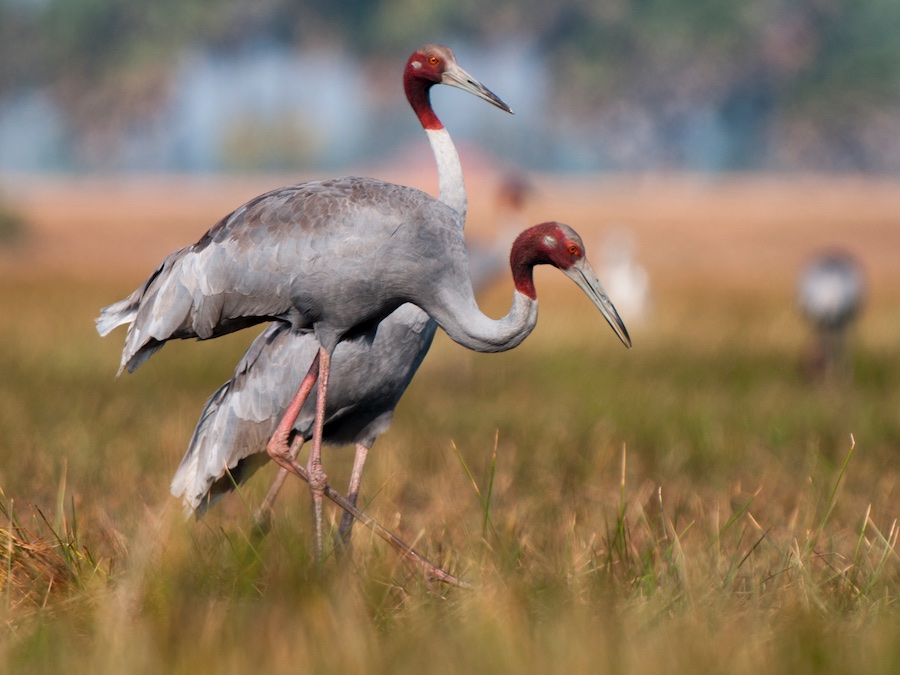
[468, 326]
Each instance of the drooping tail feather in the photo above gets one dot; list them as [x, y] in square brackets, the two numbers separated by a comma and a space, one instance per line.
[117, 314]
[131, 364]
[185, 298]
[122, 313]
[126, 312]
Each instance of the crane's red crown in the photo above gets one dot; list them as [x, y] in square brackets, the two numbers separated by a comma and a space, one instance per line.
[428, 63]
[424, 69]
[549, 243]
[436, 64]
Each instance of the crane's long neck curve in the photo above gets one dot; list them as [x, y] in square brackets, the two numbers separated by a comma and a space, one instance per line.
[466, 325]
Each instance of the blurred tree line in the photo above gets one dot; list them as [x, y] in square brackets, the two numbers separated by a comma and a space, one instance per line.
[795, 83]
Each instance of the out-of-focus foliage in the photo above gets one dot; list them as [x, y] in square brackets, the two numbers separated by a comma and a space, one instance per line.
[682, 507]
[12, 226]
[788, 82]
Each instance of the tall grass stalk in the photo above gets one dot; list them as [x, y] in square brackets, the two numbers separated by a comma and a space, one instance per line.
[483, 499]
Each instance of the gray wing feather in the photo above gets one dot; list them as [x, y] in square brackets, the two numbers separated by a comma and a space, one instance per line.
[245, 411]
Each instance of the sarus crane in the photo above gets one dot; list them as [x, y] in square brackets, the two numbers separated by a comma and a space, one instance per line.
[334, 258]
[368, 374]
[831, 292]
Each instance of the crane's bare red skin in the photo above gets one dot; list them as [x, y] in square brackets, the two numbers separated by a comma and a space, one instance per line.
[544, 244]
[423, 70]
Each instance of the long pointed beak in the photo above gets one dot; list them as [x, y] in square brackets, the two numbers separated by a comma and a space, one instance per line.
[583, 275]
[459, 78]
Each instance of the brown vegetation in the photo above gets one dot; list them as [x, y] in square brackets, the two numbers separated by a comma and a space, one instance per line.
[690, 505]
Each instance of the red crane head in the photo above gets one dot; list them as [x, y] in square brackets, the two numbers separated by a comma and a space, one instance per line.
[436, 64]
[559, 245]
[549, 243]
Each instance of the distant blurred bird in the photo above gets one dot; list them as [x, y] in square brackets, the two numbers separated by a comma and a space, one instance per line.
[368, 374]
[626, 279]
[513, 192]
[510, 198]
[830, 294]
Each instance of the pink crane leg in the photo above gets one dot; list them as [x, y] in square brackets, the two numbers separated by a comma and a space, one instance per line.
[359, 461]
[317, 478]
[286, 457]
[407, 552]
[262, 517]
[280, 452]
[278, 445]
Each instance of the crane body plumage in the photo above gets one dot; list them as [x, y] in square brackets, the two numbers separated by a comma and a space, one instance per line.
[369, 374]
[332, 259]
[334, 271]
[337, 257]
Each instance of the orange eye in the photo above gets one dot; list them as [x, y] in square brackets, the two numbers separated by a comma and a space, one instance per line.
[433, 60]
[574, 250]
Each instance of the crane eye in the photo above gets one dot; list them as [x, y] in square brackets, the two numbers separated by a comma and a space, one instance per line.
[574, 250]
[433, 60]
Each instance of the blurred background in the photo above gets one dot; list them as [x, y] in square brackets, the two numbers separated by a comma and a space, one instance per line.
[687, 126]
[240, 85]
[733, 169]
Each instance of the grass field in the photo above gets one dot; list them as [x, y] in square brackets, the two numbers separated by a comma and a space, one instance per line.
[693, 505]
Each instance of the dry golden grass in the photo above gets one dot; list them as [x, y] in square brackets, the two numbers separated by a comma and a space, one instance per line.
[692, 505]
